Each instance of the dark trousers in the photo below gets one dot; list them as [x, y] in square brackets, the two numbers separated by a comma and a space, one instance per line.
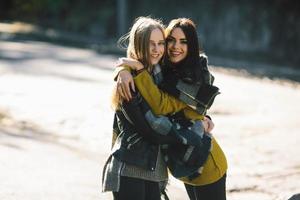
[213, 191]
[137, 189]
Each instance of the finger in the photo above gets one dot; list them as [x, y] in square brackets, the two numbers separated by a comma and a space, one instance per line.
[119, 89]
[211, 127]
[124, 92]
[132, 86]
[208, 127]
[127, 90]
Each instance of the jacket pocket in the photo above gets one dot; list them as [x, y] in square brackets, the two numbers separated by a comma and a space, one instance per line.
[133, 140]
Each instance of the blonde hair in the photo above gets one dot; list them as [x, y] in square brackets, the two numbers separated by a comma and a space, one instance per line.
[138, 45]
[115, 98]
[138, 39]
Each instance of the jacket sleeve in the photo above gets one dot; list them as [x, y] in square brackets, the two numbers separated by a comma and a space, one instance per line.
[118, 70]
[134, 114]
[160, 102]
[116, 131]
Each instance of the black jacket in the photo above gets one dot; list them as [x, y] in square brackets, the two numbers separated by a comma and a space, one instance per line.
[137, 143]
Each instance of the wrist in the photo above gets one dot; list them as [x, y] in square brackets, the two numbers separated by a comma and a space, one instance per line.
[139, 71]
[139, 66]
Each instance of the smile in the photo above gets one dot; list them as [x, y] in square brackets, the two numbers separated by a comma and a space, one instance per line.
[154, 55]
[175, 53]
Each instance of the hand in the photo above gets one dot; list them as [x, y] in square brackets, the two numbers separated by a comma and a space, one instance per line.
[208, 124]
[124, 83]
[132, 63]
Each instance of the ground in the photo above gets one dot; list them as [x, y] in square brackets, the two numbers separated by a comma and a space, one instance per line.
[56, 120]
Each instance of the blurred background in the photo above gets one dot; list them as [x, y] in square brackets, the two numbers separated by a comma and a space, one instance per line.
[56, 64]
[253, 30]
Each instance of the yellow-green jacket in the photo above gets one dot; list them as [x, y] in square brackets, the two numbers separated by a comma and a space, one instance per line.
[161, 104]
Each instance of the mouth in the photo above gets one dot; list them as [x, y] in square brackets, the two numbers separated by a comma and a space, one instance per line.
[155, 55]
[175, 53]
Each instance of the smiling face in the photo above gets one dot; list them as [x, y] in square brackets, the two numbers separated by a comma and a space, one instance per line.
[156, 46]
[177, 46]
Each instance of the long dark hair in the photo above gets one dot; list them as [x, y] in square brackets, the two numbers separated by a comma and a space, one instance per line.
[190, 68]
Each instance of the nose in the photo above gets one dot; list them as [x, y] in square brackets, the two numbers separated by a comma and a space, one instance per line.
[176, 44]
[155, 47]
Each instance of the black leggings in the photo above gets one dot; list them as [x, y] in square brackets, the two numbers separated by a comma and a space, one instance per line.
[137, 189]
[214, 191]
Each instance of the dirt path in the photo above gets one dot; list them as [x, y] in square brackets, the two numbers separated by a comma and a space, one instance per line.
[55, 127]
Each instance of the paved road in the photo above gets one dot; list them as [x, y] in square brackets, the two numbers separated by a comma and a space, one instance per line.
[55, 127]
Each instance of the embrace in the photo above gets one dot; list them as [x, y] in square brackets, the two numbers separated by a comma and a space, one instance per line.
[162, 93]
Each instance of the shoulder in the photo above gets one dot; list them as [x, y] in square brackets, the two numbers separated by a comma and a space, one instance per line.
[203, 59]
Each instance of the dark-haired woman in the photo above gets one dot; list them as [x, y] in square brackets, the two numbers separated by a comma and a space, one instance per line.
[187, 78]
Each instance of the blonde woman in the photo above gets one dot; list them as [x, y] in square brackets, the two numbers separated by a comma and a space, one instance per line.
[135, 168]
[185, 72]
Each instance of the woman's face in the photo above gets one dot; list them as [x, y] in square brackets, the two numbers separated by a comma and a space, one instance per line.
[177, 46]
[156, 46]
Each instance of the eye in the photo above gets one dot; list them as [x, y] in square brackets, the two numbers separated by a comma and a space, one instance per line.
[169, 40]
[162, 43]
[152, 43]
[183, 41]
